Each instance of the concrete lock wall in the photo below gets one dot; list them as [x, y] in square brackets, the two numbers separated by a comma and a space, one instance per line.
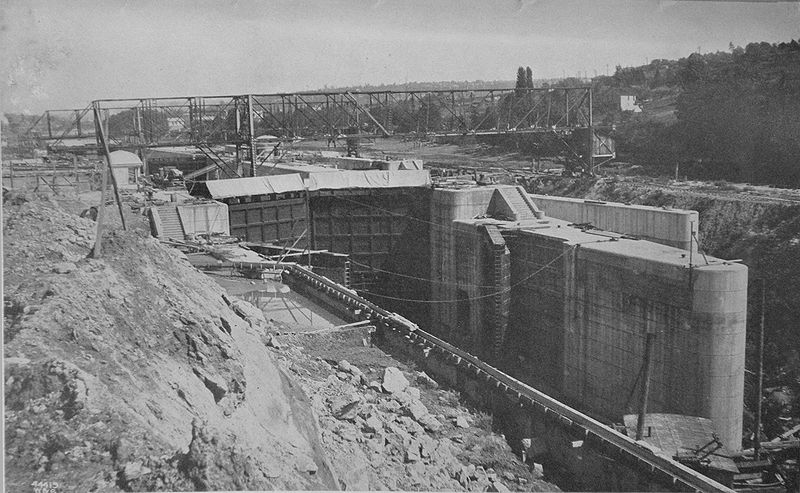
[480, 290]
[580, 310]
[535, 340]
[673, 227]
[446, 206]
[469, 276]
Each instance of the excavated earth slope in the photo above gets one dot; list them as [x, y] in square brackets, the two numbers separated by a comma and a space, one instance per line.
[136, 372]
[132, 372]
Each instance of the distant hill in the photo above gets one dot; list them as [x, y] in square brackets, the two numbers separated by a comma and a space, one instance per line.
[434, 86]
[731, 115]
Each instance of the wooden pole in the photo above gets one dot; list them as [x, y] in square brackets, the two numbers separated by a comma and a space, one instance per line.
[760, 384]
[77, 185]
[648, 368]
[102, 136]
[98, 236]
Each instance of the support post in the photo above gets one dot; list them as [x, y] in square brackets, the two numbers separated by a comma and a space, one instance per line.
[238, 139]
[648, 368]
[590, 146]
[49, 126]
[103, 143]
[144, 156]
[252, 135]
[98, 235]
[760, 383]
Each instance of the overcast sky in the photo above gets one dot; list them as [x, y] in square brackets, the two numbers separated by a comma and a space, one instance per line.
[64, 53]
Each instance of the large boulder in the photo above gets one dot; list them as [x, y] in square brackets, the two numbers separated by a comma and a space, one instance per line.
[394, 381]
[250, 313]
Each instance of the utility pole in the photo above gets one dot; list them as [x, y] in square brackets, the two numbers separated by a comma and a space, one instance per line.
[648, 368]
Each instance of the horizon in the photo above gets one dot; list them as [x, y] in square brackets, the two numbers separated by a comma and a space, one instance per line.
[64, 56]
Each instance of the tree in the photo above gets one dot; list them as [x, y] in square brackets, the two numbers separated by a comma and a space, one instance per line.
[528, 78]
[520, 86]
[124, 124]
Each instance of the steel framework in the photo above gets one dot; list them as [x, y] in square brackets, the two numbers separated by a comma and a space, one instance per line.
[207, 122]
[57, 126]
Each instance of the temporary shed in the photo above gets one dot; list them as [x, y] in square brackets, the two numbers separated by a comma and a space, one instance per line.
[126, 167]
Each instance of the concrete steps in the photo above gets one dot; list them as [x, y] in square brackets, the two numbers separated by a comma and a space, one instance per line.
[517, 204]
[171, 226]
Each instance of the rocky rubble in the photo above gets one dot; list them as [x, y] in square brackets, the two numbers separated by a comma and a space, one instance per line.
[384, 432]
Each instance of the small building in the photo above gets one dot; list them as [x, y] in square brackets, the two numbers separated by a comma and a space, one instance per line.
[126, 167]
[629, 103]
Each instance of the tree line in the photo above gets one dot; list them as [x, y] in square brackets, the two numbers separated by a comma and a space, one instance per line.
[737, 114]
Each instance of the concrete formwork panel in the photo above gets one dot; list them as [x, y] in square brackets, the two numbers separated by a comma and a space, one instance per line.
[371, 226]
[279, 221]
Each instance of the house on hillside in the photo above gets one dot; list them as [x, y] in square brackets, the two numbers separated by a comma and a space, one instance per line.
[628, 103]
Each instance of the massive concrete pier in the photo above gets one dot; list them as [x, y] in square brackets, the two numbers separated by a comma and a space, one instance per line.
[568, 310]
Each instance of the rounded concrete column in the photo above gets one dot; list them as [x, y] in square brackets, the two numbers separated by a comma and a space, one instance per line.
[719, 317]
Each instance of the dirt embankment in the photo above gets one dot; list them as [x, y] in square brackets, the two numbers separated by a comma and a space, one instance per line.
[132, 372]
[759, 225]
[136, 372]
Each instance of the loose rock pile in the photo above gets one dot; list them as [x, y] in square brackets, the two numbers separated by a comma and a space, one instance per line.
[381, 434]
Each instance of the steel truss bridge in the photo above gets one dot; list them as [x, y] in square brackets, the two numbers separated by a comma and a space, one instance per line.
[209, 122]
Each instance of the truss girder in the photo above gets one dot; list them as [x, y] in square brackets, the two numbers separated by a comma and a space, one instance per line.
[209, 120]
